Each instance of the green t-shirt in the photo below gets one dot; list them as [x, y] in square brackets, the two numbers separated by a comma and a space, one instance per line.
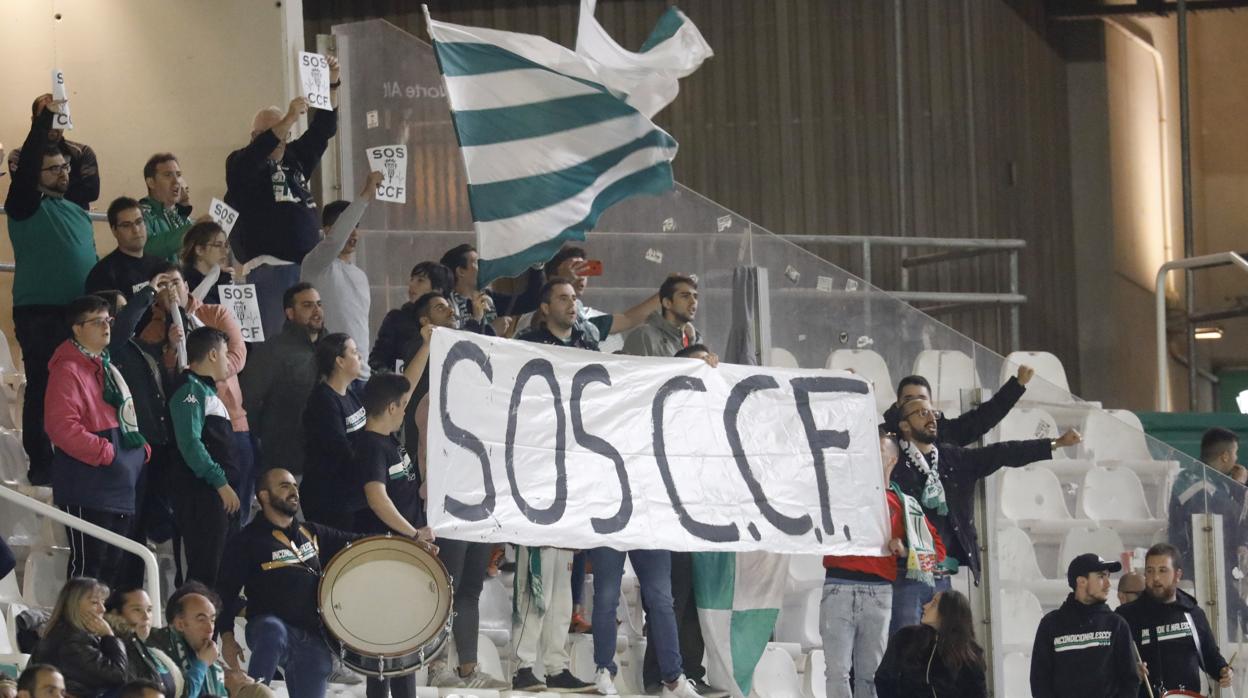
[54, 251]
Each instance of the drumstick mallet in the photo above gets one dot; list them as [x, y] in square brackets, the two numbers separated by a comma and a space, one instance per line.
[1136, 651]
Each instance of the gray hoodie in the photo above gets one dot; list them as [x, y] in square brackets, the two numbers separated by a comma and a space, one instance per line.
[657, 337]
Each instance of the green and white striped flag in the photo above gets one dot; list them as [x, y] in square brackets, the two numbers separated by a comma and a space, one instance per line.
[550, 138]
[739, 597]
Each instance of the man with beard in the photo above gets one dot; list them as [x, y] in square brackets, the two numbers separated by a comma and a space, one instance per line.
[670, 328]
[1083, 648]
[278, 561]
[1170, 629]
[943, 479]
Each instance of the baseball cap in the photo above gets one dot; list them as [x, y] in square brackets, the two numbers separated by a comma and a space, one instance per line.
[1087, 563]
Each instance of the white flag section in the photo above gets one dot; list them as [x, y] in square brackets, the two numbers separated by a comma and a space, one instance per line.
[550, 139]
[390, 160]
[542, 445]
[674, 50]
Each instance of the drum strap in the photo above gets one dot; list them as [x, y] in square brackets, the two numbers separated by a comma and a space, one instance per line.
[290, 545]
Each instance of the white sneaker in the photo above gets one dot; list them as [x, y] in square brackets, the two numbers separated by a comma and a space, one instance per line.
[604, 684]
[682, 689]
[480, 679]
[443, 676]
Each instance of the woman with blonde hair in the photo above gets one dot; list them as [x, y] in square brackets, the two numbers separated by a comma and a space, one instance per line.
[129, 612]
[79, 642]
[204, 247]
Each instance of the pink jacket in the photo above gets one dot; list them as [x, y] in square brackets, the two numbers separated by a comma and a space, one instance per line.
[74, 410]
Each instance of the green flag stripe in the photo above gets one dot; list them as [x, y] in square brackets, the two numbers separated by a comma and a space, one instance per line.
[458, 59]
[668, 25]
[513, 197]
[655, 179]
[489, 126]
[751, 629]
[714, 580]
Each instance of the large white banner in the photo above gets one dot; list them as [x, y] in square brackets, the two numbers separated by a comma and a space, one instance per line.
[543, 445]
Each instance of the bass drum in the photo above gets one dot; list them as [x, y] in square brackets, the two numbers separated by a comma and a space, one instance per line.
[1181, 693]
[386, 604]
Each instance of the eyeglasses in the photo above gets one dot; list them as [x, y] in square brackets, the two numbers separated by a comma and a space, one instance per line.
[131, 225]
[216, 245]
[98, 321]
[63, 167]
[925, 413]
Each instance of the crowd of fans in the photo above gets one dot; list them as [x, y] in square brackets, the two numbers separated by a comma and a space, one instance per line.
[149, 416]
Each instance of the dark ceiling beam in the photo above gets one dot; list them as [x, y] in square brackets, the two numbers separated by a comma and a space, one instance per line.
[1087, 9]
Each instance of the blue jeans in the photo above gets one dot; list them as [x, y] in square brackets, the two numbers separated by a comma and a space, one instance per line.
[304, 657]
[909, 597]
[853, 618]
[654, 572]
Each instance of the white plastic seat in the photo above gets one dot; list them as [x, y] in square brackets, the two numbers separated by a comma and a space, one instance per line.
[1116, 437]
[949, 373]
[7, 645]
[20, 527]
[871, 366]
[495, 612]
[1017, 675]
[1022, 608]
[12, 382]
[44, 577]
[782, 358]
[798, 621]
[1114, 496]
[1016, 563]
[814, 682]
[775, 675]
[1049, 384]
[1031, 497]
[13, 460]
[13, 664]
[9, 591]
[1103, 541]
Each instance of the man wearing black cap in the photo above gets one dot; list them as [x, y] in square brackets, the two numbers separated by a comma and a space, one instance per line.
[1083, 648]
[1171, 630]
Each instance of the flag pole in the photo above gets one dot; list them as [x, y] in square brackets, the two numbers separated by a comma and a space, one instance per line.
[446, 90]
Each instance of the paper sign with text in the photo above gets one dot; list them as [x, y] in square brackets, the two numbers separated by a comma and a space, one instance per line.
[223, 215]
[542, 445]
[241, 300]
[390, 160]
[314, 80]
[61, 119]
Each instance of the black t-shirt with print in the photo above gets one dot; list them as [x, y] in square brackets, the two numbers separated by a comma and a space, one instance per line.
[380, 458]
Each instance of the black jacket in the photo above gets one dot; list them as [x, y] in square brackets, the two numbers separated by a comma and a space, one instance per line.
[277, 213]
[912, 668]
[398, 338]
[140, 369]
[960, 469]
[91, 664]
[261, 561]
[118, 271]
[967, 428]
[1083, 650]
[1164, 637]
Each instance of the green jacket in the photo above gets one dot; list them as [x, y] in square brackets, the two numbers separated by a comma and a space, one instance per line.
[165, 228]
[202, 428]
[201, 679]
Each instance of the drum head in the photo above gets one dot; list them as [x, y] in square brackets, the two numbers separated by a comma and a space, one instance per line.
[385, 596]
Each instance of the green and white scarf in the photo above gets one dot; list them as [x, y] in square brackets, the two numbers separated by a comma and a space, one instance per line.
[117, 394]
[921, 558]
[933, 496]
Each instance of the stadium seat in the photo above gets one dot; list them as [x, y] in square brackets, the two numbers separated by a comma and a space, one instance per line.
[1103, 541]
[7, 645]
[13, 664]
[12, 382]
[495, 610]
[9, 591]
[798, 621]
[1016, 563]
[1017, 675]
[814, 680]
[20, 527]
[44, 576]
[949, 372]
[1024, 423]
[782, 358]
[1114, 496]
[775, 675]
[1050, 384]
[871, 366]
[13, 460]
[1023, 609]
[1031, 497]
[1116, 437]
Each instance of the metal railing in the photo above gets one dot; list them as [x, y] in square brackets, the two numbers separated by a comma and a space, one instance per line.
[956, 249]
[1219, 259]
[151, 575]
[95, 216]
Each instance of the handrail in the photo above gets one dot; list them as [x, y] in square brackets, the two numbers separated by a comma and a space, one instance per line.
[95, 216]
[1219, 259]
[151, 568]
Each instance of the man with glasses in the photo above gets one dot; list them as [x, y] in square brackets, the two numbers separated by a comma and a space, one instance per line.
[54, 250]
[968, 427]
[128, 268]
[84, 172]
[943, 478]
[100, 453]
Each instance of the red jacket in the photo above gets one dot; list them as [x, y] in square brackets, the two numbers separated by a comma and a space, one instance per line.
[884, 567]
